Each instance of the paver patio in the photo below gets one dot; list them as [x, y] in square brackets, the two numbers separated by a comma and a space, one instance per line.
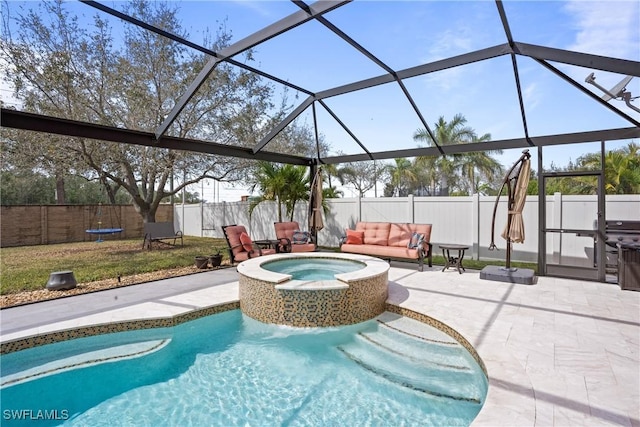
[561, 352]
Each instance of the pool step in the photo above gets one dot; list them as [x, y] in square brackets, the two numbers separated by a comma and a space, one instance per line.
[417, 356]
[415, 328]
[85, 359]
[429, 354]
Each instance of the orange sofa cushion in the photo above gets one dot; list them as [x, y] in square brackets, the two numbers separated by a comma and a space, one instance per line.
[381, 251]
[304, 247]
[399, 235]
[246, 241]
[375, 233]
[354, 237]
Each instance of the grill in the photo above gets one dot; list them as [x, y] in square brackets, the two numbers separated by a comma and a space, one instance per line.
[623, 233]
[623, 241]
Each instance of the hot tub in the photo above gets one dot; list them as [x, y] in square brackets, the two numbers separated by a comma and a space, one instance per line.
[333, 298]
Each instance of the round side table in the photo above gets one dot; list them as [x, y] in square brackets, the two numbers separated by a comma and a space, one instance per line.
[451, 261]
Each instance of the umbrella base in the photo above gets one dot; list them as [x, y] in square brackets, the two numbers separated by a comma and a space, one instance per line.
[523, 276]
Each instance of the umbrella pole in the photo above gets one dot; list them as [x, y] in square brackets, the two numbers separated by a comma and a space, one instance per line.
[509, 243]
[314, 206]
[510, 202]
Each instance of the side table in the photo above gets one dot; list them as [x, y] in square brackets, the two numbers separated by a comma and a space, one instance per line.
[269, 244]
[450, 261]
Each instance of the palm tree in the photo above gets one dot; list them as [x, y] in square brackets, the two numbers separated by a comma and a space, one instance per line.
[446, 133]
[428, 167]
[286, 184]
[329, 193]
[479, 164]
[464, 171]
[403, 175]
[333, 171]
[621, 169]
[298, 187]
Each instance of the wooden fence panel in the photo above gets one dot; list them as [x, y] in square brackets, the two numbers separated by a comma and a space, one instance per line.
[21, 224]
[35, 225]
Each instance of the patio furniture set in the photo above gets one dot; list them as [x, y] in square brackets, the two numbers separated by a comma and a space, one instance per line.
[380, 239]
[385, 240]
[289, 238]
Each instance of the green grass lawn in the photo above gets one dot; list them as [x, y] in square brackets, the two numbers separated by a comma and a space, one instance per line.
[27, 268]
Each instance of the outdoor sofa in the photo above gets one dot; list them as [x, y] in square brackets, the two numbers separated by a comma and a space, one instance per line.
[390, 240]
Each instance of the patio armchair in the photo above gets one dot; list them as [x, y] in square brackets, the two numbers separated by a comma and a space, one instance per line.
[292, 239]
[241, 247]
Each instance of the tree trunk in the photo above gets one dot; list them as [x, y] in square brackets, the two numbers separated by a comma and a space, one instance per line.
[293, 209]
[60, 193]
[108, 189]
[146, 212]
[279, 210]
[444, 186]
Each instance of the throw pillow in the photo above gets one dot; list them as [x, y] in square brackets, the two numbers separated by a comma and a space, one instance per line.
[415, 241]
[355, 237]
[247, 244]
[300, 237]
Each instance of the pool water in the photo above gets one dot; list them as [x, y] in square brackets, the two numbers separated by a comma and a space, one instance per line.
[229, 370]
[313, 268]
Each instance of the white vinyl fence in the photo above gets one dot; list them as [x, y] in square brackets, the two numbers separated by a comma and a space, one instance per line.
[460, 220]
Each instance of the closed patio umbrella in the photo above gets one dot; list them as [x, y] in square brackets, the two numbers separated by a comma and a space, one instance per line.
[315, 204]
[514, 229]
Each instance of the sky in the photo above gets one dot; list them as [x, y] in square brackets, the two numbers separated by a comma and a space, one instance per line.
[404, 34]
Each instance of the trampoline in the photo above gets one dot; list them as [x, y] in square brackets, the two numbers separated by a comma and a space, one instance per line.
[101, 231]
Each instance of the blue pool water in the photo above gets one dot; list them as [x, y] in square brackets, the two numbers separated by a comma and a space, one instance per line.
[229, 370]
[313, 268]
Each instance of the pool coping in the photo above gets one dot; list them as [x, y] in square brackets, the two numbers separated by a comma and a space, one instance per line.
[253, 268]
[36, 340]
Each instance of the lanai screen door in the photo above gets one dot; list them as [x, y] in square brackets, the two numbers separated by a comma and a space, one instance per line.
[572, 226]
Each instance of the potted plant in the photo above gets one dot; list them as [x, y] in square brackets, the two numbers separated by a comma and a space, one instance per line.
[202, 261]
[216, 259]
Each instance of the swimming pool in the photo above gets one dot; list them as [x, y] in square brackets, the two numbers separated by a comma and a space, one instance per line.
[229, 369]
[312, 268]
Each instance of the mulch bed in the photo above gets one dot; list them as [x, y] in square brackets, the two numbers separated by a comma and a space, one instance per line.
[44, 294]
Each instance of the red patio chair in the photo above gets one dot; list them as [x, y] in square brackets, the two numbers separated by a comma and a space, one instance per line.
[292, 239]
[241, 247]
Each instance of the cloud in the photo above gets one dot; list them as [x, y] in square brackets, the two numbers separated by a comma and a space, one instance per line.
[450, 43]
[531, 96]
[606, 28]
[259, 7]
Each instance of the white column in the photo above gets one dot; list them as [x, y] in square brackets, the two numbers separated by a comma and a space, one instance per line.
[475, 226]
[410, 209]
